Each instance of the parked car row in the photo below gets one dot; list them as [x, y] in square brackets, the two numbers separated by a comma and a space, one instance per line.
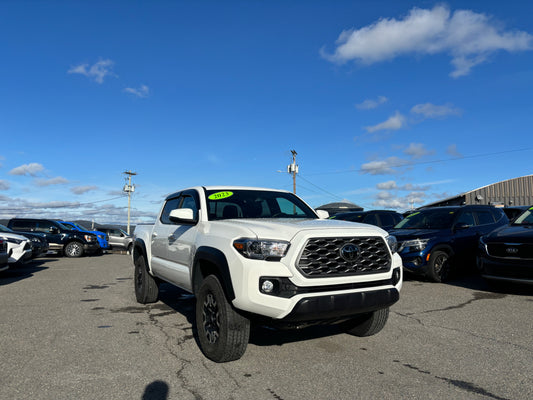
[434, 242]
[26, 238]
[21, 247]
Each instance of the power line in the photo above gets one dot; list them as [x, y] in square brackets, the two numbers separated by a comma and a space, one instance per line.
[411, 163]
[319, 188]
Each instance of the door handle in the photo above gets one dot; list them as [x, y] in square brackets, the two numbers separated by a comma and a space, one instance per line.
[154, 235]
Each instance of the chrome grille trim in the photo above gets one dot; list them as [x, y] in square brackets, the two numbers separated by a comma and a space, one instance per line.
[321, 257]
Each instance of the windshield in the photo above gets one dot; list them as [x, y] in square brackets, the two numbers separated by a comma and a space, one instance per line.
[526, 218]
[428, 219]
[255, 204]
[79, 226]
[65, 226]
[68, 225]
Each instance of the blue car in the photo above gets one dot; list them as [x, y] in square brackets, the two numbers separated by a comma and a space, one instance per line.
[103, 239]
[434, 240]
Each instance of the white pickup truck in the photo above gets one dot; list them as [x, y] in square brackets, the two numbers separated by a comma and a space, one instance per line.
[254, 254]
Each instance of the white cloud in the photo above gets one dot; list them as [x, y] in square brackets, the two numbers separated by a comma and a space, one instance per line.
[389, 185]
[452, 151]
[142, 92]
[97, 72]
[53, 181]
[31, 169]
[383, 167]
[4, 185]
[82, 189]
[389, 201]
[469, 38]
[429, 110]
[370, 104]
[392, 185]
[417, 150]
[397, 121]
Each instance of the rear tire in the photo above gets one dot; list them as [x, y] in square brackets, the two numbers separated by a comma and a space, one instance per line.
[223, 333]
[73, 249]
[146, 287]
[368, 324]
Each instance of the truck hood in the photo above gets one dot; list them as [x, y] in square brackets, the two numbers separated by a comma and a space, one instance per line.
[286, 229]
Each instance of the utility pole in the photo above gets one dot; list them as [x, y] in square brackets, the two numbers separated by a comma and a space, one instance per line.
[129, 189]
[293, 169]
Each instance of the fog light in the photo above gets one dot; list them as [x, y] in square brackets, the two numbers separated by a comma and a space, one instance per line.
[396, 274]
[417, 261]
[267, 287]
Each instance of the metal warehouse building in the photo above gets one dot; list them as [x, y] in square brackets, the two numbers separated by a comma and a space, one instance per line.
[512, 192]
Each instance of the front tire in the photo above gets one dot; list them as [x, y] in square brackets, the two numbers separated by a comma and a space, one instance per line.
[223, 333]
[74, 249]
[439, 266]
[146, 287]
[368, 324]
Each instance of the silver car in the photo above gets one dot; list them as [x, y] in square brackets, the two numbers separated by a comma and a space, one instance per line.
[118, 239]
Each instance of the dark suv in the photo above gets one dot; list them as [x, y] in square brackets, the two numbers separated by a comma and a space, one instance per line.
[60, 238]
[385, 219]
[433, 240]
[506, 254]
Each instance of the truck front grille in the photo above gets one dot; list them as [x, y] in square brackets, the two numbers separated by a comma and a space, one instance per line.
[325, 257]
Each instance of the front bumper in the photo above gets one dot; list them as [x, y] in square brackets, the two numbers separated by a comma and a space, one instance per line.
[301, 299]
[4, 257]
[415, 262]
[341, 305]
[92, 247]
[506, 269]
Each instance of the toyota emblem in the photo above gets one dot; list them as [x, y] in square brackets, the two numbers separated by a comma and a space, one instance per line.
[349, 252]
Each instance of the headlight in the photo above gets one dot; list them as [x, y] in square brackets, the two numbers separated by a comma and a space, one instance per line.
[414, 245]
[13, 240]
[35, 240]
[261, 249]
[89, 238]
[393, 243]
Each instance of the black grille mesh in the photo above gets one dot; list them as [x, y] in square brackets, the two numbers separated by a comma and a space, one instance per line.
[322, 257]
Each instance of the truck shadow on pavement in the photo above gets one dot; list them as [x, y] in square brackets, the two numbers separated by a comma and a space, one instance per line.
[261, 334]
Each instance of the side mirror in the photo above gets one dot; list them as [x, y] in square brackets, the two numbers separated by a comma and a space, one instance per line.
[322, 214]
[183, 216]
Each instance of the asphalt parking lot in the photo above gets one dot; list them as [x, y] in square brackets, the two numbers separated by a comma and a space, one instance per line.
[71, 329]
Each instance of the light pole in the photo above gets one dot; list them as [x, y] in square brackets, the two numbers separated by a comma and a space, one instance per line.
[293, 169]
[129, 189]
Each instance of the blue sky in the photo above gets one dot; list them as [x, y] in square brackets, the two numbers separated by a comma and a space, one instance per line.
[389, 104]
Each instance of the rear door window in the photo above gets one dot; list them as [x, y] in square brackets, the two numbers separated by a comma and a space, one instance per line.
[484, 217]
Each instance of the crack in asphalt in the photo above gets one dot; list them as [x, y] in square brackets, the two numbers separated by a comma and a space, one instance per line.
[492, 339]
[170, 345]
[463, 385]
[476, 297]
